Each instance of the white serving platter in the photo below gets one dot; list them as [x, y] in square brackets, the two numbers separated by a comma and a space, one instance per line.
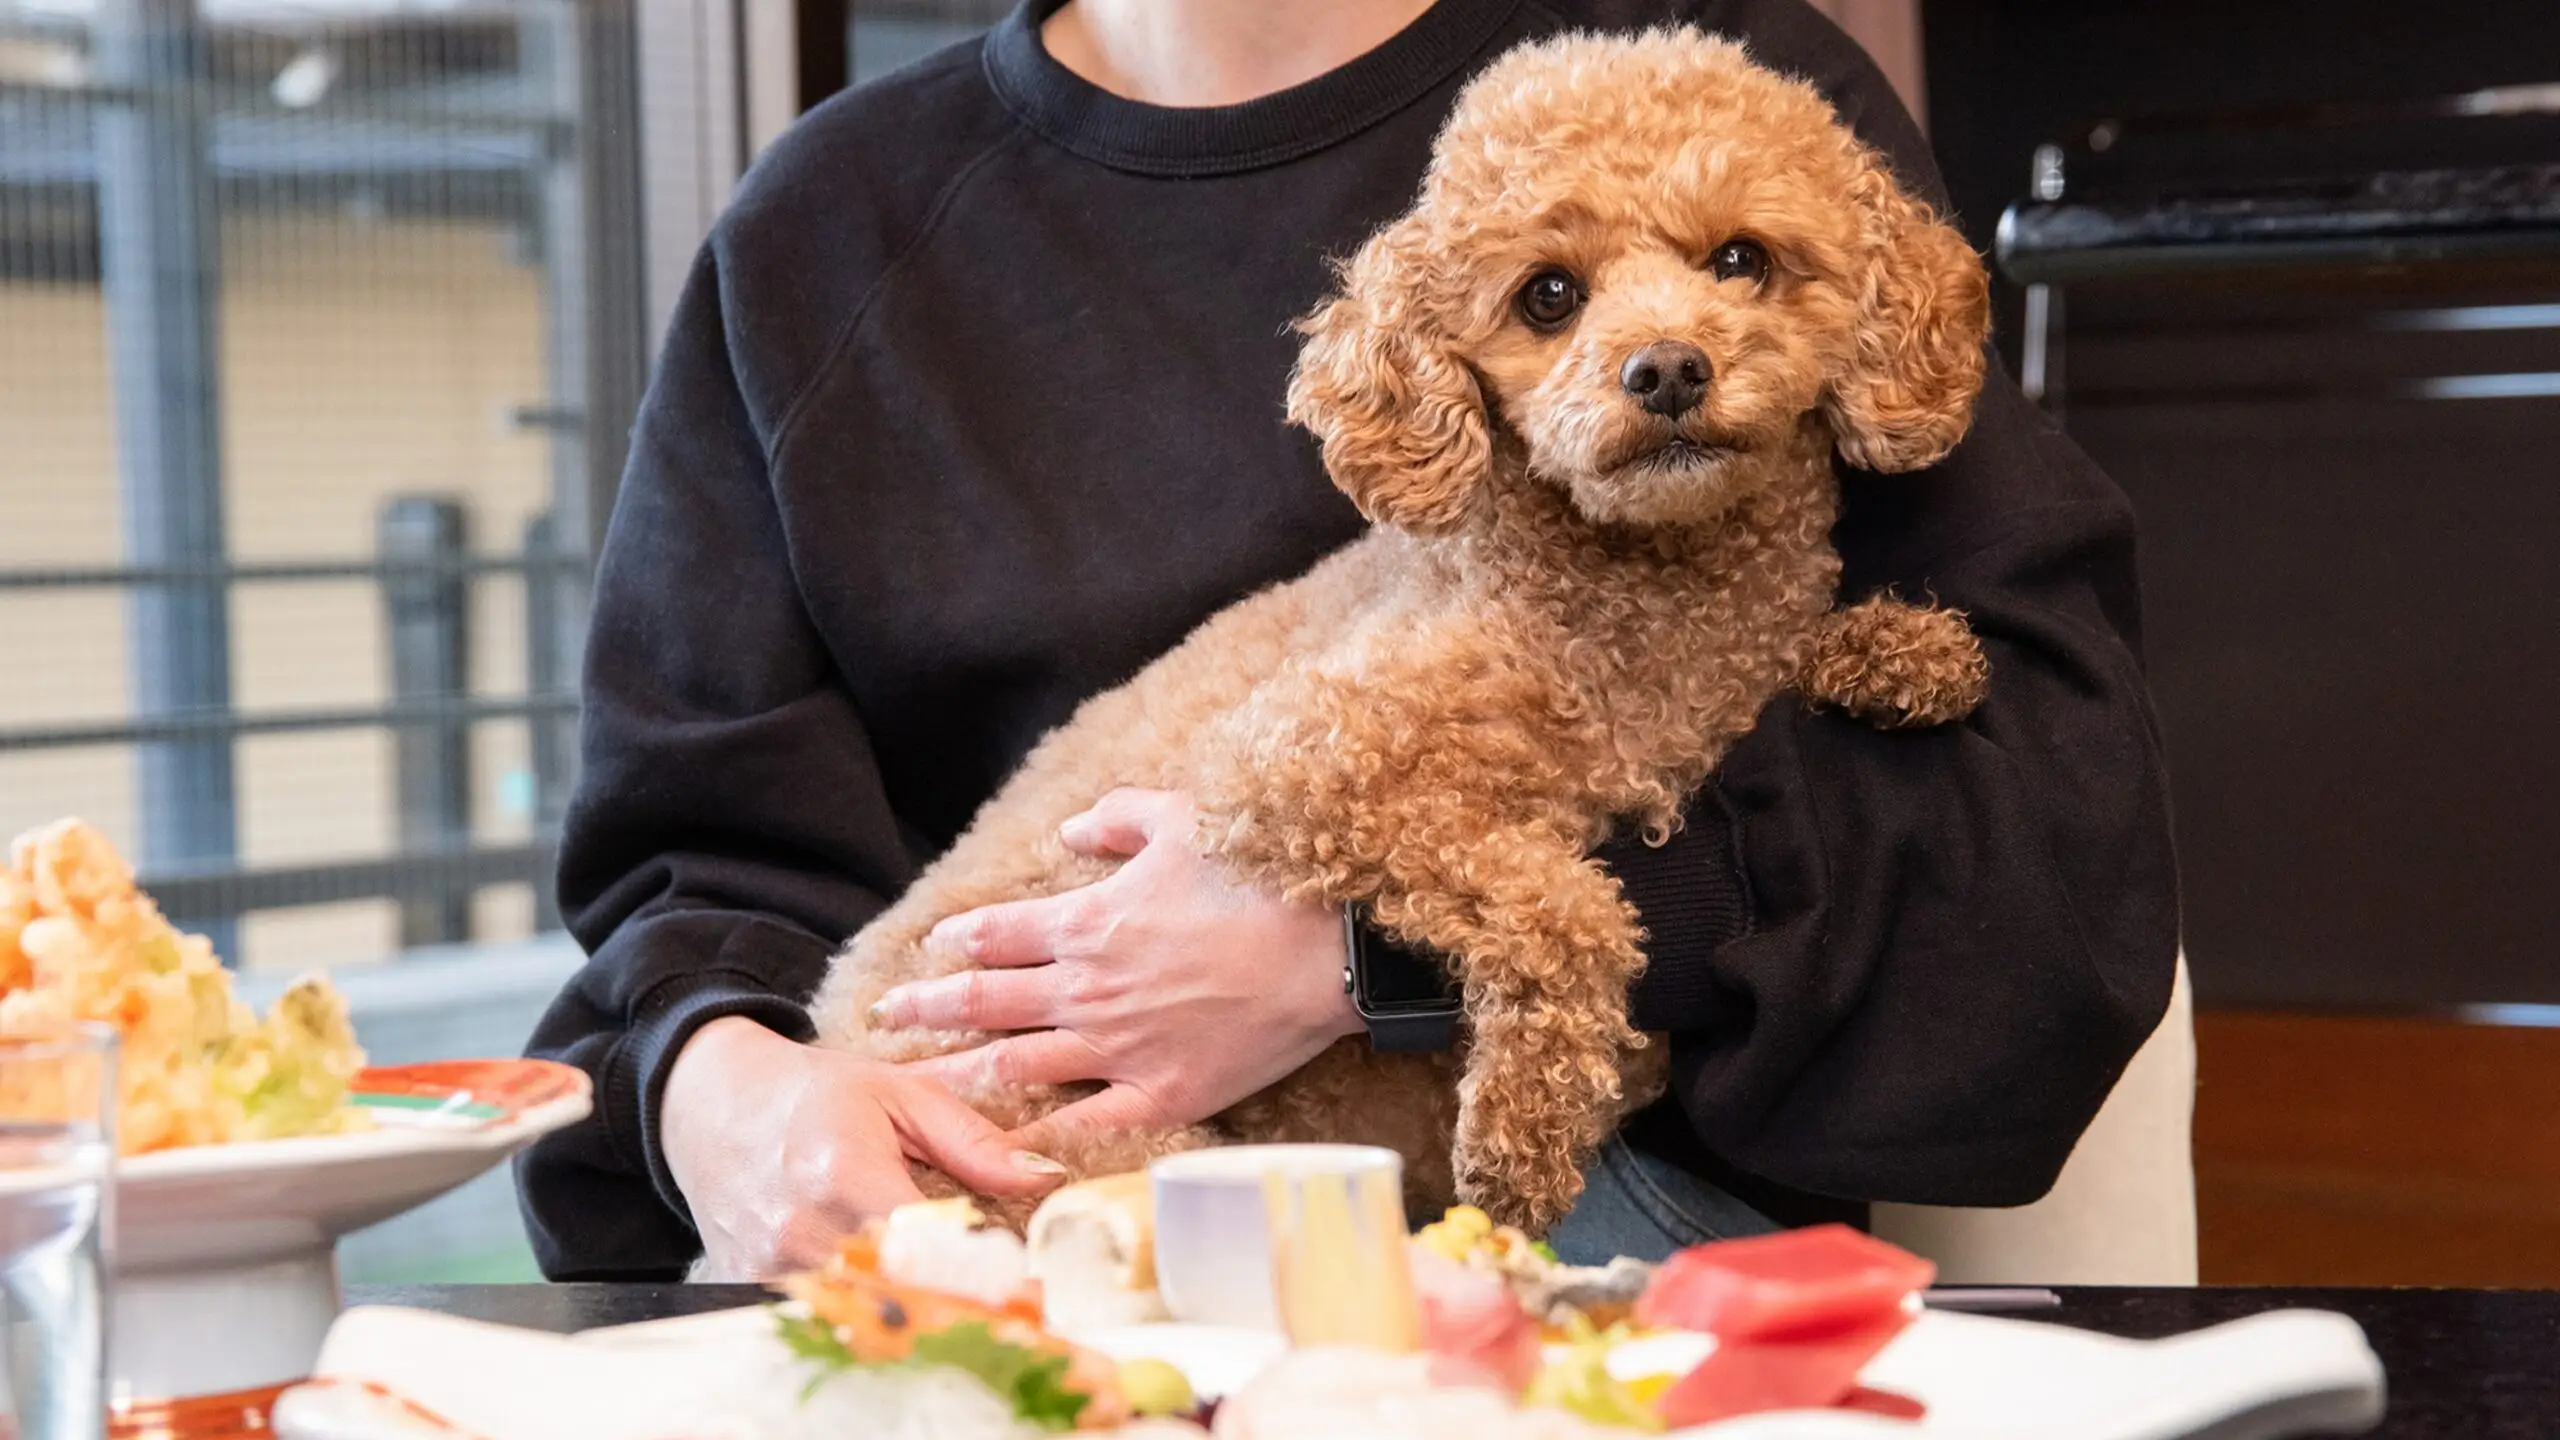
[2281, 1374]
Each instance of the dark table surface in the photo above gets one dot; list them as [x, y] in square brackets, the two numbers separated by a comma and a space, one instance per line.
[2461, 1363]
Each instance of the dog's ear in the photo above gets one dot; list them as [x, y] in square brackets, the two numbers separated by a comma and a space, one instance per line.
[1400, 418]
[1904, 396]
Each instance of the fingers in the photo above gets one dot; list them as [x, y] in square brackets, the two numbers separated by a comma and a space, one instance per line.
[1116, 1111]
[806, 1243]
[1027, 999]
[1042, 1057]
[1017, 932]
[1121, 823]
[812, 1234]
[963, 1144]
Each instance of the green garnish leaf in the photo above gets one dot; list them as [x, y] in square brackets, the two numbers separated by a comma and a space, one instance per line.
[813, 1339]
[817, 1342]
[1033, 1383]
[1544, 1251]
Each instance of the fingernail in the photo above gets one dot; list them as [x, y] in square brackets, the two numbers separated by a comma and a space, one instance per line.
[1076, 829]
[1032, 1164]
[885, 1010]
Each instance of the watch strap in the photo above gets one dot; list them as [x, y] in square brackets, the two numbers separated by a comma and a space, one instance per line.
[1417, 1032]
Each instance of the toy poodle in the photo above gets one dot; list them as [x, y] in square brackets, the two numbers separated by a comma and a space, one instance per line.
[1590, 389]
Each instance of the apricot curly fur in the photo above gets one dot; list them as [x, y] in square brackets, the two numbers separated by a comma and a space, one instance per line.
[1568, 612]
[1897, 666]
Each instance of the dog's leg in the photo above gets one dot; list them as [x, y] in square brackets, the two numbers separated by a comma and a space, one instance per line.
[1896, 665]
[1435, 798]
[1546, 948]
[1548, 956]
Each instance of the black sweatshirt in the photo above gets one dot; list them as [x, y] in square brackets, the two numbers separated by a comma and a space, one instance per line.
[972, 406]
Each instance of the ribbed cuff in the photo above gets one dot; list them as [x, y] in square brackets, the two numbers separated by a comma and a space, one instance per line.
[635, 1094]
[1690, 895]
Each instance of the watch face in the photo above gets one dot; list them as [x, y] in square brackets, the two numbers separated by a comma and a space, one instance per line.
[1391, 980]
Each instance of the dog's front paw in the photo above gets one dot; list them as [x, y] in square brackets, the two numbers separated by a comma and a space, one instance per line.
[1897, 665]
[1531, 1198]
[1533, 1109]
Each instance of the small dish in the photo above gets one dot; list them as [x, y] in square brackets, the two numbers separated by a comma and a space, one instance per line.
[225, 1265]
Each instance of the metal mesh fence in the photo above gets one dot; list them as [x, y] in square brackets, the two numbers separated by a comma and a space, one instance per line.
[300, 350]
[321, 322]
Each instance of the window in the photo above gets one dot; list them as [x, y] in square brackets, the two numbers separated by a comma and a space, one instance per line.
[320, 324]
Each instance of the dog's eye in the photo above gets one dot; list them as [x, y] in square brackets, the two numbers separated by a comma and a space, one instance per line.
[1740, 260]
[1549, 299]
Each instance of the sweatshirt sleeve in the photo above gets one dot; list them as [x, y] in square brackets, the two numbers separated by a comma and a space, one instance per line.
[1910, 966]
[729, 827]
[1945, 944]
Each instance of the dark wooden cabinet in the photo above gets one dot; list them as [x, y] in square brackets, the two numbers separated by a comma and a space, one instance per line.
[2347, 473]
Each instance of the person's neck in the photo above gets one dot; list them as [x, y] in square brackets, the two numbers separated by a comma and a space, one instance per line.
[1193, 53]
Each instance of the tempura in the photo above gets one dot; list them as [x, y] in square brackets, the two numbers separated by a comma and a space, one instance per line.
[196, 1066]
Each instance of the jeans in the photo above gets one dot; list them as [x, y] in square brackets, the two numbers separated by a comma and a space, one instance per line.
[1635, 1204]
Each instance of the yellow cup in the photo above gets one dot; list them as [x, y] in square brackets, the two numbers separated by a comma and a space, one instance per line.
[1307, 1240]
[1339, 1268]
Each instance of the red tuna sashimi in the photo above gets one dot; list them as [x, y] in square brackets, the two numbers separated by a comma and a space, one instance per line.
[1794, 1283]
[1744, 1377]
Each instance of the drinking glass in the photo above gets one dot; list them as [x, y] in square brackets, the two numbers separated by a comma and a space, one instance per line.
[57, 1200]
[1339, 1269]
[1307, 1240]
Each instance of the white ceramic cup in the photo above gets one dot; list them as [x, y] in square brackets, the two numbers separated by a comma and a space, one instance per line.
[1213, 1230]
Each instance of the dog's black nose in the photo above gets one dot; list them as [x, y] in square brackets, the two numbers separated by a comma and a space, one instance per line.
[1667, 377]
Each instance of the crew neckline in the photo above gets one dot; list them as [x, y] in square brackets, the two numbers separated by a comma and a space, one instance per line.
[1077, 115]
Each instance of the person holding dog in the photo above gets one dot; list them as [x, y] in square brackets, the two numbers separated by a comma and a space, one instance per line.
[971, 408]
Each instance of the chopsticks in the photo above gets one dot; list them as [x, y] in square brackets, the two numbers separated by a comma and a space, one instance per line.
[1985, 1299]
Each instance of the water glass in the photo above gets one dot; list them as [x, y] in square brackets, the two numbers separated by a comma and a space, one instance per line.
[57, 1200]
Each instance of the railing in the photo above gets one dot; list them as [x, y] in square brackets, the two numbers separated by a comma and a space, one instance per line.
[424, 571]
[133, 134]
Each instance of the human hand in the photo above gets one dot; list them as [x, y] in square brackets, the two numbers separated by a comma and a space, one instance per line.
[781, 1148]
[1183, 989]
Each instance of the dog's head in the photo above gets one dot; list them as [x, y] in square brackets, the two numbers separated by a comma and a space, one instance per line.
[1652, 262]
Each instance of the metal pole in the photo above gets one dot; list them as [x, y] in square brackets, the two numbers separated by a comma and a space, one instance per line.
[583, 55]
[551, 652]
[159, 250]
[430, 648]
[690, 143]
[619, 339]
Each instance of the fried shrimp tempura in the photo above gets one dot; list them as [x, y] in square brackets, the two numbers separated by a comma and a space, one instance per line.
[195, 1066]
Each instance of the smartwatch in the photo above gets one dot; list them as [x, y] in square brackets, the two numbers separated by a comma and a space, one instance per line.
[1404, 995]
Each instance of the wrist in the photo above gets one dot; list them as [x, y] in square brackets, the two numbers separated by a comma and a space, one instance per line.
[713, 1046]
[703, 1072]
